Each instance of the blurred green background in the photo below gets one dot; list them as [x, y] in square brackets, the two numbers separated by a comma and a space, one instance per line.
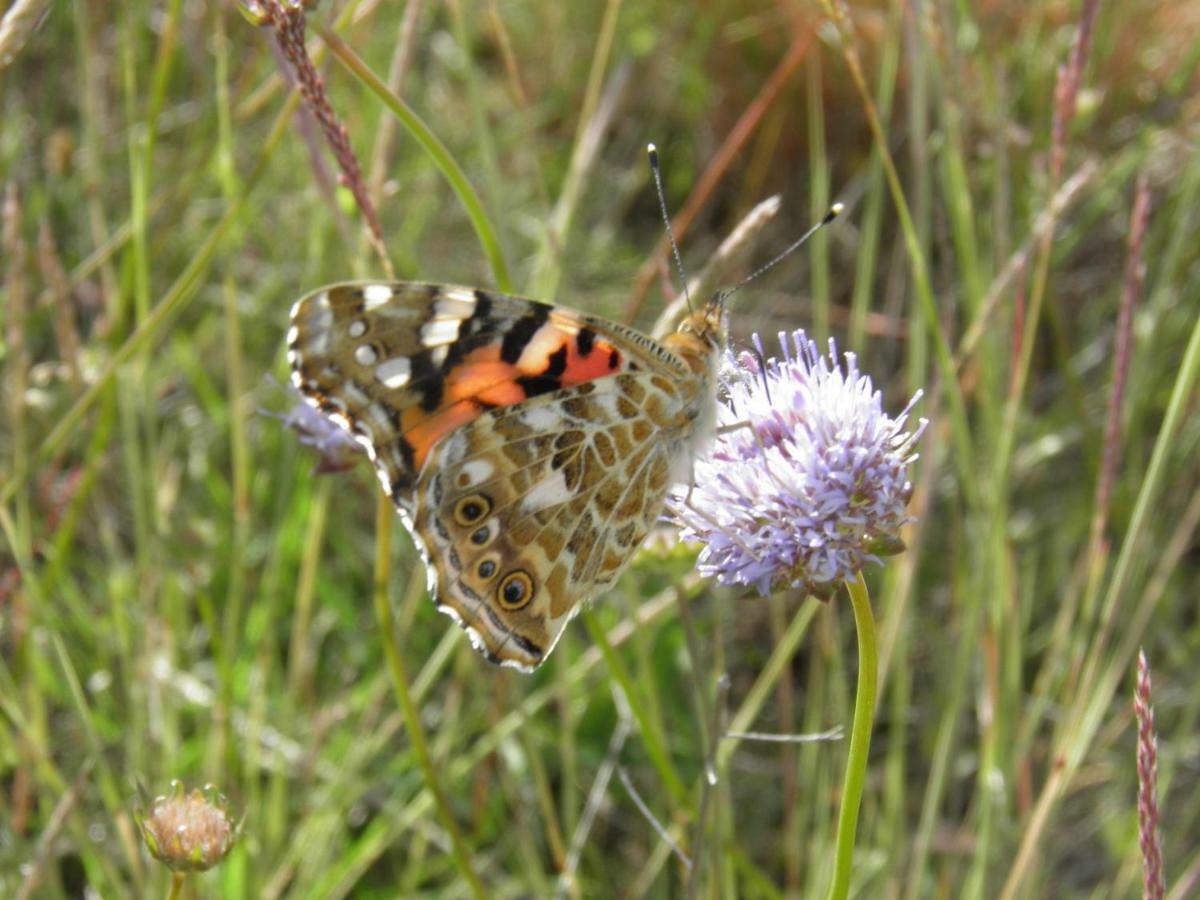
[181, 597]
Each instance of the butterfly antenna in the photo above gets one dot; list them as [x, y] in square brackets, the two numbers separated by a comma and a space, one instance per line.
[834, 212]
[652, 151]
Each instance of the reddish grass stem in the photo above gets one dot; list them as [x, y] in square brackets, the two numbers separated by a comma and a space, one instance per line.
[1135, 276]
[1153, 883]
[737, 138]
[288, 19]
[1066, 88]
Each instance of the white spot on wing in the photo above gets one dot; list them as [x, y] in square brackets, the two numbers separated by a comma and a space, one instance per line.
[438, 332]
[312, 316]
[454, 305]
[541, 418]
[477, 470]
[357, 328]
[364, 354]
[512, 662]
[607, 402]
[394, 372]
[375, 295]
[550, 491]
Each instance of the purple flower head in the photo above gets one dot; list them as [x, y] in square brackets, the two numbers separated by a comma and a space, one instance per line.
[808, 480]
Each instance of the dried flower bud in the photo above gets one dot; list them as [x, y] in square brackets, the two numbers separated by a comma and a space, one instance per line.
[190, 832]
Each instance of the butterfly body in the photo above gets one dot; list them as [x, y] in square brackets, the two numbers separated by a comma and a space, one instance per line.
[527, 448]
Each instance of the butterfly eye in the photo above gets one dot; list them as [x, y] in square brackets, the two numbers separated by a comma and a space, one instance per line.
[470, 510]
[487, 569]
[516, 590]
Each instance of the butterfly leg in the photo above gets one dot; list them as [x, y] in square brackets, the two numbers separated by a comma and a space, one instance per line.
[722, 430]
[729, 429]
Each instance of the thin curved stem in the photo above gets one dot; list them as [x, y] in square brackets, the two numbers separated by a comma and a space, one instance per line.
[434, 149]
[860, 737]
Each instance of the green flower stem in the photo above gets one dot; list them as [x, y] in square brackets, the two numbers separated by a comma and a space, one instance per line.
[860, 737]
[176, 889]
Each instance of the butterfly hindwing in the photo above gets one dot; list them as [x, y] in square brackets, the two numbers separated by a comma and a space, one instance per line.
[529, 511]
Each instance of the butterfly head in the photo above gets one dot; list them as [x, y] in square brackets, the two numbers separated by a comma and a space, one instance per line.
[709, 326]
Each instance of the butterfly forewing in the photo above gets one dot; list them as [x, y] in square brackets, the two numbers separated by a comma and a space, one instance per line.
[402, 365]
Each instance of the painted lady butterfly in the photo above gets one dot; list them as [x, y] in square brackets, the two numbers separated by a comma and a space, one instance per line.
[527, 448]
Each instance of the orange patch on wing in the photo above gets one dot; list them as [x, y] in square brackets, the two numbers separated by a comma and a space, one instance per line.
[482, 376]
[595, 365]
[503, 393]
[422, 430]
[553, 337]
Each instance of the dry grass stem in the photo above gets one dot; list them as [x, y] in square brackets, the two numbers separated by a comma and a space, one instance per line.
[1135, 277]
[1153, 883]
[290, 24]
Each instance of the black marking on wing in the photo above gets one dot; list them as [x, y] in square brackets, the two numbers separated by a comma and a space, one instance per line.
[527, 645]
[483, 305]
[442, 531]
[406, 452]
[429, 378]
[549, 379]
[585, 341]
[394, 414]
[535, 385]
[517, 338]
[496, 620]
[403, 480]
[473, 332]
[556, 363]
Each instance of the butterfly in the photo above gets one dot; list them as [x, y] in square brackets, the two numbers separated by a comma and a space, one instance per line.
[528, 448]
